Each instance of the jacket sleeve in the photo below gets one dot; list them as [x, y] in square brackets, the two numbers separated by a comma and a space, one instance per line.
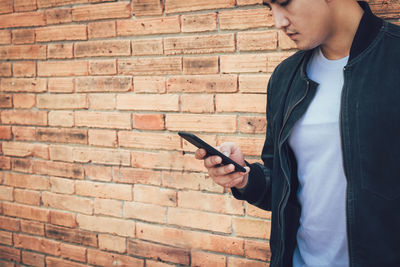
[258, 189]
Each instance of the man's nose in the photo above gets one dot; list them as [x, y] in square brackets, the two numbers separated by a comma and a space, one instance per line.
[281, 21]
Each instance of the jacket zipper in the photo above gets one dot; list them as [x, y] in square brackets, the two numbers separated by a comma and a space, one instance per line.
[284, 197]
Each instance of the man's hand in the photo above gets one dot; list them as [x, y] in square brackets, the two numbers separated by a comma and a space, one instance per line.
[224, 175]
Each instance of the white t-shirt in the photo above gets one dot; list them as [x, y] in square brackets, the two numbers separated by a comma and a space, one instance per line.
[315, 140]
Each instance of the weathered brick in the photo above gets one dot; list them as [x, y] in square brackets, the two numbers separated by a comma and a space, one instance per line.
[106, 138]
[254, 103]
[71, 235]
[243, 63]
[108, 207]
[254, 211]
[62, 135]
[174, 6]
[149, 84]
[26, 212]
[58, 16]
[5, 101]
[245, 19]
[10, 224]
[24, 69]
[54, 3]
[19, 180]
[146, 47]
[245, 227]
[23, 52]
[63, 218]
[192, 122]
[101, 11]
[61, 85]
[189, 180]
[150, 66]
[112, 243]
[145, 212]
[199, 22]
[73, 252]
[197, 103]
[103, 29]
[285, 42]
[167, 102]
[136, 176]
[102, 101]
[101, 258]
[158, 252]
[33, 259]
[98, 173]
[149, 140]
[147, 7]
[37, 244]
[148, 26]
[248, 2]
[7, 193]
[200, 65]
[11, 254]
[149, 121]
[104, 190]
[103, 119]
[274, 59]
[27, 117]
[257, 41]
[21, 165]
[61, 33]
[5, 37]
[62, 101]
[50, 261]
[23, 36]
[6, 6]
[154, 195]
[384, 9]
[101, 156]
[109, 48]
[60, 169]
[32, 85]
[32, 227]
[252, 124]
[199, 44]
[5, 132]
[106, 225]
[202, 84]
[67, 202]
[63, 186]
[201, 258]
[252, 83]
[63, 68]
[22, 19]
[61, 118]
[103, 84]
[5, 163]
[5, 68]
[259, 250]
[103, 67]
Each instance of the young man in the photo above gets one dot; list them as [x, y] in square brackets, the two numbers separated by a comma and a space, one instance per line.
[331, 172]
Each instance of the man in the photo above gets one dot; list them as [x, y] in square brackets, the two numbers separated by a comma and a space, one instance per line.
[331, 172]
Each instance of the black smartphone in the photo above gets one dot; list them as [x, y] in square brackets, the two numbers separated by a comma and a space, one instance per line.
[211, 151]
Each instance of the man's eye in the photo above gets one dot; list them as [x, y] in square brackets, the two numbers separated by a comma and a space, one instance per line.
[284, 3]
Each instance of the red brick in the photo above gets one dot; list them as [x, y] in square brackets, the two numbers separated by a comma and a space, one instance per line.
[58, 169]
[136, 176]
[26, 212]
[62, 185]
[5, 101]
[23, 36]
[58, 16]
[24, 69]
[32, 85]
[62, 101]
[252, 83]
[112, 243]
[203, 259]
[7, 193]
[194, 122]
[33, 259]
[257, 41]
[156, 102]
[199, 22]
[244, 63]
[254, 103]
[6, 6]
[252, 124]
[22, 133]
[245, 19]
[210, 202]
[104, 190]
[103, 67]
[23, 52]
[10, 254]
[108, 207]
[189, 239]
[72, 252]
[107, 138]
[174, 6]
[62, 135]
[240, 262]
[386, 10]
[203, 44]
[22, 165]
[100, 258]
[61, 118]
[148, 26]
[103, 29]
[60, 51]
[61, 153]
[149, 121]
[103, 84]
[63, 218]
[5, 163]
[202, 84]
[259, 250]
[62, 263]
[197, 103]
[53, 3]
[149, 140]
[24, 100]
[189, 180]
[10, 224]
[61, 85]
[28, 181]
[24, 5]
[285, 42]
[99, 173]
[5, 68]
[102, 48]
[5, 132]
[24, 117]
[153, 263]
[67, 202]
[155, 195]
[32, 227]
[63, 68]
[147, 8]
[103, 119]
[200, 65]
[27, 197]
[158, 252]
[102, 156]
[101, 11]
[251, 228]
[109, 225]
[5, 37]
[146, 47]
[150, 84]
[71, 235]
[61, 33]
[200, 220]
[102, 101]
[145, 212]
[248, 2]
[150, 66]
[257, 212]
[23, 19]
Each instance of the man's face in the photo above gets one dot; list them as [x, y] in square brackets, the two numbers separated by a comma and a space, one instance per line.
[306, 22]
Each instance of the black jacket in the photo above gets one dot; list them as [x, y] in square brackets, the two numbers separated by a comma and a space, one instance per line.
[370, 136]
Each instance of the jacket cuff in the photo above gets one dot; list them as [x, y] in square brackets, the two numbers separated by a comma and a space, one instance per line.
[255, 185]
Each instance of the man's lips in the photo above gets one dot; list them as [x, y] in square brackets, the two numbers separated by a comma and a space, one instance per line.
[292, 35]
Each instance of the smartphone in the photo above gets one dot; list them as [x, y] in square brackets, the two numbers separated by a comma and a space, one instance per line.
[211, 151]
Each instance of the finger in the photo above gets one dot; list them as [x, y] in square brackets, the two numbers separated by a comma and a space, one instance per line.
[200, 153]
[211, 161]
[221, 171]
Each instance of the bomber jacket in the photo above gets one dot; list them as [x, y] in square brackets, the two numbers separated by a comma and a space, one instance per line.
[370, 139]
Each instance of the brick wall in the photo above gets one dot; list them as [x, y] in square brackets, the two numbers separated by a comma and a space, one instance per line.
[92, 94]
